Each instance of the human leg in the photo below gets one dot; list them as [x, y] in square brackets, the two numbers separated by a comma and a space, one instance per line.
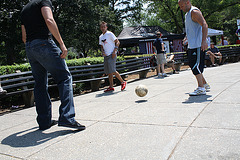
[118, 76]
[158, 69]
[123, 83]
[196, 62]
[162, 68]
[158, 65]
[219, 56]
[212, 57]
[42, 98]
[199, 78]
[49, 57]
[110, 78]
[174, 69]
[163, 61]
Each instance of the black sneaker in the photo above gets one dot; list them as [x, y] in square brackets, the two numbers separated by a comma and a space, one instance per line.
[74, 125]
[175, 72]
[53, 122]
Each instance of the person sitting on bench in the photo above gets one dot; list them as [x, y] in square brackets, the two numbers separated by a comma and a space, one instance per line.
[214, 53]
[2, 91]
[170, 62]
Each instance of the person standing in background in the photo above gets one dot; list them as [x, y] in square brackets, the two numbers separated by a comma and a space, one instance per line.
[161, 59]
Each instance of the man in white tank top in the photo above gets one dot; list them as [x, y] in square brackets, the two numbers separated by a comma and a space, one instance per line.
[196, 38]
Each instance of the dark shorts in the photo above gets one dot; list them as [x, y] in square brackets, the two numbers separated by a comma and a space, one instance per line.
[110, 64]
[196, 59]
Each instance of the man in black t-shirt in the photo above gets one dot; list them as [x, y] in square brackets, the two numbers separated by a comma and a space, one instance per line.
[38, 26]
[161, 59]
[213, 53]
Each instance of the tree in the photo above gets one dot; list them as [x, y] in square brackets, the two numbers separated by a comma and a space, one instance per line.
[78, 22]
[219, 14]
[10, 31]
[83, 18]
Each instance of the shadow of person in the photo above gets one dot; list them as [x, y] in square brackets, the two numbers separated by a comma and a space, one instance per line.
[106, 94]
[198, 99]
[32, 137]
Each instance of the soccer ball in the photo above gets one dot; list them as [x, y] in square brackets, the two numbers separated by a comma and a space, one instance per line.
[141, 90]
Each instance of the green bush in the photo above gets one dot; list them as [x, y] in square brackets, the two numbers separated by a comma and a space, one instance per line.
[8, 69]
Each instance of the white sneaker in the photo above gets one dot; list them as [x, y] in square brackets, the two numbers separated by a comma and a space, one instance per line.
[164, 75]
[207, 87]
[159, 75]
[198, 91]
[2, 91]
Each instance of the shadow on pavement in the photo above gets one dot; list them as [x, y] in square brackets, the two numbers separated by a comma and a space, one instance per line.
[32, 137]
[107, 94]
[198, 99]
[141, 101]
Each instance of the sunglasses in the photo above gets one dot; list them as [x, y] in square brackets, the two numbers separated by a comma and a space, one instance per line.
[104, 40]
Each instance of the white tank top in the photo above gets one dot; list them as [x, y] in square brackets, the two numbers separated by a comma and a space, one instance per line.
[193, 30]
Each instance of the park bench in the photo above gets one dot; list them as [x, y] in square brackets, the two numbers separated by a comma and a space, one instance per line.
[23, 82]
[180, 58]
[231, 54]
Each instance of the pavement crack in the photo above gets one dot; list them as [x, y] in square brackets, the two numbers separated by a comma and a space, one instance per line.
[190, 126]
[8, 155]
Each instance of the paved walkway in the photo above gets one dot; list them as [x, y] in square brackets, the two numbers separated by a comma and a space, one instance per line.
[166, 124]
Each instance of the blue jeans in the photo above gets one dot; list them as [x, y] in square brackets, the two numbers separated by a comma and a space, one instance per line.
[44, 57]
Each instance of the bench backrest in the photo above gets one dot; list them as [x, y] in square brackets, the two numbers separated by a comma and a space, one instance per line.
[16, 81]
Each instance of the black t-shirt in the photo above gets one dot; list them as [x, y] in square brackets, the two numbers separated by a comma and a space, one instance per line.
[32, 19]
[158, 44]
[213, 50]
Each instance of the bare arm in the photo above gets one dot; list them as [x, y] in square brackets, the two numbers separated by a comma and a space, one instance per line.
[198, 17]
[162, 46]
[103, 52]
[23, 34]
[154, 48]
[117, 43]
[185, 40]
[52, 26]
[171, 57]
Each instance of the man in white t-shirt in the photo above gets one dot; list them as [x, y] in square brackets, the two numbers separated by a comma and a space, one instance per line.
[109, 46]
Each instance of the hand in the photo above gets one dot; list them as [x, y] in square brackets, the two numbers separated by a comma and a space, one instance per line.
[104, 55]
[204, 45]
[64, 51]
[185, 42]
[113, 55]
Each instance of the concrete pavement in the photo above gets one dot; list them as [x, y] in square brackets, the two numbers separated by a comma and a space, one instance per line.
[165, 124]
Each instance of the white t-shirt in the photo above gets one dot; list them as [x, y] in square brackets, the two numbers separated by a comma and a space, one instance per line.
[107, 41]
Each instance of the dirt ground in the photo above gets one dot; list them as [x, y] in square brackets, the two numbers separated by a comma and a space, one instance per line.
[128, 78]
[153, 73]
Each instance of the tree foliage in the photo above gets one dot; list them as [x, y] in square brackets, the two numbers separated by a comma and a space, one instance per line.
[219, 14]
[10, 31]
[78, 22]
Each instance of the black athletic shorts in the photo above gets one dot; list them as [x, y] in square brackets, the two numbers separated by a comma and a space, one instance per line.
[196, 59]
